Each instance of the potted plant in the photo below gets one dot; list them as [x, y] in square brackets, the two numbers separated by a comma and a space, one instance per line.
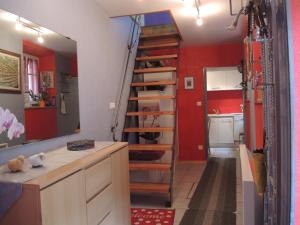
[40, 98]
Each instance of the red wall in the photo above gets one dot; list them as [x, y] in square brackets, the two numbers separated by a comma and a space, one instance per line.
[40, 123]
[192, 61]
[224, 101]
[47, 63]
[74, 66]
[295, 9]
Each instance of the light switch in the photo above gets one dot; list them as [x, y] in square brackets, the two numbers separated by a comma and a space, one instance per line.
[112, 105]
[200, 147]
[199, 103]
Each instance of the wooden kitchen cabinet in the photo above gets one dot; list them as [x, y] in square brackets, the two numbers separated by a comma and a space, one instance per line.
[120, 180]
[91, 190]
[64, 201]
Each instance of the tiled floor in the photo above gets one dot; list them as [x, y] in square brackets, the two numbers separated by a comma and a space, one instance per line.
[186, 180]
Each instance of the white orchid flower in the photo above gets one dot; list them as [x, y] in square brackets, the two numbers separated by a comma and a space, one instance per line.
[15, 130]
[8, 121]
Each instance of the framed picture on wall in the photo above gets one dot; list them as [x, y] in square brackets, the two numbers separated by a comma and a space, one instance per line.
[47, 79]
[10, 72]
[189, 83]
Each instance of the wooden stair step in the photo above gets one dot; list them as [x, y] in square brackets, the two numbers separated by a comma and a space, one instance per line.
[155, 70]
[150, 147]
[150, 166]
[162, 113]
[158, 97]
[148, 129]
[150, 187]
[153, 83]
[158, 46]
[159, 35]
[156, 57]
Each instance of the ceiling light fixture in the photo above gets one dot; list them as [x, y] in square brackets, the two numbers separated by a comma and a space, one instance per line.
[19, 25]
[39, 30]
[188, 3]
[199, 20]
[40, 39]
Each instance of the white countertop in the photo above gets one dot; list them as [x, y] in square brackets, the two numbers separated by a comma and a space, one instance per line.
[225, 115]
[54, 160]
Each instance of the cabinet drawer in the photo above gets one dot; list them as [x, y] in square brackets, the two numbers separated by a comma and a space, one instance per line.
[97, 177]
[99, 206]
[108, 220]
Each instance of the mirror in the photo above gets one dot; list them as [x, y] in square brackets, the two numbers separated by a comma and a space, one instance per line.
[38, 83]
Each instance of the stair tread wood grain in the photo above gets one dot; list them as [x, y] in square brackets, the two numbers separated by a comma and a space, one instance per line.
[150, 147]
[158, 46]
[154, 83]
[150, 166]
[150, 187]
[155, 70]
[159, 35]
[156, 57]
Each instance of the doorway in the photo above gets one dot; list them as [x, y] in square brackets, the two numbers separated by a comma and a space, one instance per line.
[223, 104]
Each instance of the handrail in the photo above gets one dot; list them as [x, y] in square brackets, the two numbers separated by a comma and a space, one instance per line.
[133, 41]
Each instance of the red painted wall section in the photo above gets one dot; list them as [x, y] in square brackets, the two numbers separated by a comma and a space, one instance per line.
[192, 61]
[34, 49]
[295, 9]
[73, 64]
[259, 119]
[37, 120]
[224, 101]
[47, 63]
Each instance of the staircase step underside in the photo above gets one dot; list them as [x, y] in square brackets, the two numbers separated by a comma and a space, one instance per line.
[150, 113]
[161, 35]
[150, 166]
[148, 129]
[158, 97]
[150, 147]
[154, 83]
[150, 187]
[155, 70]
[158, 46]
[156, 57]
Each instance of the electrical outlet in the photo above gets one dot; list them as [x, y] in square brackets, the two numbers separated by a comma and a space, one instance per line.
[199, 103]
[112, 105]
[200, 147]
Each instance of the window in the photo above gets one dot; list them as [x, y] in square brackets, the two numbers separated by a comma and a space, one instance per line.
[31, 65]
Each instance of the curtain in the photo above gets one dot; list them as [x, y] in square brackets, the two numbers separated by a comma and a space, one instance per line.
[31, 74]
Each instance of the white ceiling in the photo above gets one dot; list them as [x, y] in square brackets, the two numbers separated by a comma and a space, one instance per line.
[52, 40]
[215, 14]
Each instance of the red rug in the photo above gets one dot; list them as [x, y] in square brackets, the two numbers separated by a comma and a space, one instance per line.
[152, 216]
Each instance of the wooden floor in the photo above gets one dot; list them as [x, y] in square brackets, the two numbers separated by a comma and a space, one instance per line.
[186, 179]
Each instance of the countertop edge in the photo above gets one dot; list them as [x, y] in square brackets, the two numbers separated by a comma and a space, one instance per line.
[76, 165]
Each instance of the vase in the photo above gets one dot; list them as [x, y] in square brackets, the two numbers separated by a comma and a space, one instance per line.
[42, 103]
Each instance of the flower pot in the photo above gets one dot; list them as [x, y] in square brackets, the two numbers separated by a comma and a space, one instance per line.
[42, 103]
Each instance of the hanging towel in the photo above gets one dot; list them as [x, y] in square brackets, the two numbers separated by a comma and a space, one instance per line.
[63, 109]
[9, 194]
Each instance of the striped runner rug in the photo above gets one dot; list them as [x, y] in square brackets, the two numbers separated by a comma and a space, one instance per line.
[214, 200]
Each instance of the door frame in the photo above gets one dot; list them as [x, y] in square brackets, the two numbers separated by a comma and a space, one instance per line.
[207, 147]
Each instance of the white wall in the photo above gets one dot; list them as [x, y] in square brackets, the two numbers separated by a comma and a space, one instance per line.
[102, 51]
